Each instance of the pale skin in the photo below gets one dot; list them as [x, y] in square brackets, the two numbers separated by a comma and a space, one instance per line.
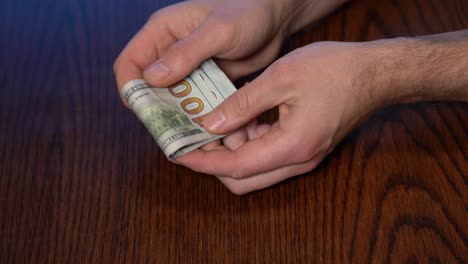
[322, 90]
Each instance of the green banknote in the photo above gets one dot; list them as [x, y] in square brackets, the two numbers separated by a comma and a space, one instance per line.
[173, 115]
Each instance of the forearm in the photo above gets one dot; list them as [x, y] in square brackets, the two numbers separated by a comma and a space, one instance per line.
[426, 68]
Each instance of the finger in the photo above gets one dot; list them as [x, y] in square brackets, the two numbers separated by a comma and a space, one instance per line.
[236, 139]
[241, 136]
[208, 40]
[255, 131]
[260, 155]
[267, 179]
[212, 145]
[247, 103]
[251, 130]
[263, 129]
[142, 50]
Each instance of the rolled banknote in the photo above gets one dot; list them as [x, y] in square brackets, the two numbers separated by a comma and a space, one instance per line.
[174, 115]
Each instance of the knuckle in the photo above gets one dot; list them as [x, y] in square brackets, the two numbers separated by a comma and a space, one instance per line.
[237, 190]
[226, 31]
[194, 168]
[155, 16]
[235, 187]
[239, 174]
[117, 64]
[228, 36]
[283, 72]
[179, 52]
[167, 13]
[240, 102]
[303, 152]
[158, 14]
[197, 170]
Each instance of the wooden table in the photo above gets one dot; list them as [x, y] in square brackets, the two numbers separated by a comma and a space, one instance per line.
[82, 180]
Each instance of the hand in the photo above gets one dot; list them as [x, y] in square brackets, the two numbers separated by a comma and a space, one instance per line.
[243, 35]
[322, 90]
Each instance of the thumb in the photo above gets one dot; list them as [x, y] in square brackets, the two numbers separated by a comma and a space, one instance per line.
[209, 39]
[245, 104]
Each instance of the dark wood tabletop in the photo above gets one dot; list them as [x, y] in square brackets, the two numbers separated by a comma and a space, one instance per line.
[82, 181]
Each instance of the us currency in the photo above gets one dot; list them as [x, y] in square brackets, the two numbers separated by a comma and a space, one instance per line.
[174, 115]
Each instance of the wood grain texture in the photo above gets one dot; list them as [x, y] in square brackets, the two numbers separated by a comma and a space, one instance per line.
[81, 181]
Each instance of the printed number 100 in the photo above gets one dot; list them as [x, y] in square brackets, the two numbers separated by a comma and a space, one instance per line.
[191, 105]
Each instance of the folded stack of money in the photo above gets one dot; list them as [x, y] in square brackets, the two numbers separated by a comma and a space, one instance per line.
[174, 115]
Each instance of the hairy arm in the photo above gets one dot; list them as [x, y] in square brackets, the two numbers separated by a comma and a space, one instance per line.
[427, 68]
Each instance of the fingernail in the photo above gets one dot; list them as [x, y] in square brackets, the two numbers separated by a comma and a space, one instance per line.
[159, 70]
[214, 121]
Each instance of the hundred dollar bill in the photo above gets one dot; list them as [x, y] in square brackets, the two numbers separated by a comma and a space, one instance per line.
[174, 115]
